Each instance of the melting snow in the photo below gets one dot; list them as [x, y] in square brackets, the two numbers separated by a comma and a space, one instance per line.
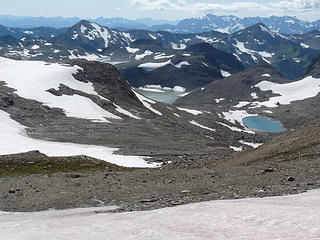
[13, 139]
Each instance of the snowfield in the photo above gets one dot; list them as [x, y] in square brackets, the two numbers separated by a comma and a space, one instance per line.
[13, 139]
[32, 79]
[293, 217]
[289, 92]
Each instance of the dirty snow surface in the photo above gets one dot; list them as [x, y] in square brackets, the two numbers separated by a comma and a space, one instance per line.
[288, 217]
[13, 139]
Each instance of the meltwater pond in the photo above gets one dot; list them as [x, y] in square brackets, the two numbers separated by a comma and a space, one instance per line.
[264, 124]
[161, 94]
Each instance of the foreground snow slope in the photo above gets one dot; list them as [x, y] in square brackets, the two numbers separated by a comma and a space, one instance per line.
[287, 217]
[13, 139]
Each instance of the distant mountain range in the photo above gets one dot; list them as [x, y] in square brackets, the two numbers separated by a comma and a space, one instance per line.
[289, 54]
[226, 24]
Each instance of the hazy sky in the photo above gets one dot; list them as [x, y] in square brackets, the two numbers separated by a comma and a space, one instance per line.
[161, 9]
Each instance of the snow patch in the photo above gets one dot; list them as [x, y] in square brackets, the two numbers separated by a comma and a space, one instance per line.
[299, 90]
[14, 140]
[266, 75]
[225, 73]
[184, 63]
[304, 45]
[236, 149]
[132, 50]
[191, 111]
[142, 56]
[181, 46]
[34, 47]
[152, 66]
[32, 79]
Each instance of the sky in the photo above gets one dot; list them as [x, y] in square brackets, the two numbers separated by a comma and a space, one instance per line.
[308, 10]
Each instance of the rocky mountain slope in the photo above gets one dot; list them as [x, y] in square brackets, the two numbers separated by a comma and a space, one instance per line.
[288, 164]
[260, 91]
[195, 66]
[81, 102]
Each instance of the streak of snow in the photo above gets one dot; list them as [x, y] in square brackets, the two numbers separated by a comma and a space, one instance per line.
[201, 126]
[152, 66]
[236, 149]
[194, 112]
[125, 112]
[254, 145]
[162, 56]
[146, 102]
[152, 36]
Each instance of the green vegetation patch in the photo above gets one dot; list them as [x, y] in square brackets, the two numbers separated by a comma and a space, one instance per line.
[37, 163]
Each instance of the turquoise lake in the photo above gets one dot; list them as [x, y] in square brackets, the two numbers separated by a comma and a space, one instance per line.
[264, 124]
[164, 95]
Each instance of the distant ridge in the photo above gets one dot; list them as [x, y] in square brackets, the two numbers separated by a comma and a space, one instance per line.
[227, 24]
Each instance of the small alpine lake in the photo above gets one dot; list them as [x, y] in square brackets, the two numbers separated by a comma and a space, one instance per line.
[264, 124]
[165, 95]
